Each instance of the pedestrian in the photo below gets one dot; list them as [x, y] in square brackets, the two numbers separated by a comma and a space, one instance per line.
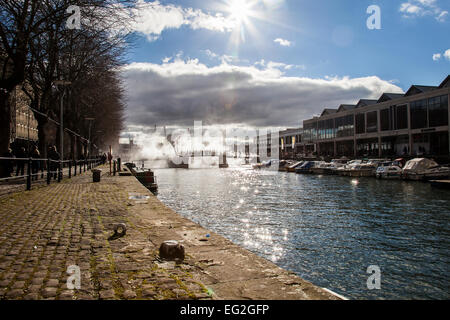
[21, 153]
[36, 164]
[8, 165]
[54, 157]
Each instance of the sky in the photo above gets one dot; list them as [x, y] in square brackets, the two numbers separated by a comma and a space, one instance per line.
[274, 63]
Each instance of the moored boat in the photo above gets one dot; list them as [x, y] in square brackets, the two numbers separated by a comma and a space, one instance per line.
[437, 173]
[144, 176]
[305, 167]
[292, 168]
[346, 169]
[416, 169]
[389, 170]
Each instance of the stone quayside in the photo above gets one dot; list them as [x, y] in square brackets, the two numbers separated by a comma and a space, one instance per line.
[48, 229]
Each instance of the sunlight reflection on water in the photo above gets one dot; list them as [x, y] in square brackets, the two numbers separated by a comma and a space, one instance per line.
[328, 230]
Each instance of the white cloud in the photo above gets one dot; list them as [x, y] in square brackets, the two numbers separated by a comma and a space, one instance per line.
[283, 42]
[153, 18]
[420, 8]
[179, 92]
[447, 54]
[277, 65]
[436, 56]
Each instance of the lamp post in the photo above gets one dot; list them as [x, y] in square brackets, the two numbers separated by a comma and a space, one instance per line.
[89, 137]
[62, 83]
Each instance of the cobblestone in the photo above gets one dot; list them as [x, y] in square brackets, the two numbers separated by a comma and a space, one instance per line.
[47, 229]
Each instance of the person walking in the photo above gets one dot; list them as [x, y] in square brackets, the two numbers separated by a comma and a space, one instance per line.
[21, 153]
[8, 165]
[54, 156]
[36, 164]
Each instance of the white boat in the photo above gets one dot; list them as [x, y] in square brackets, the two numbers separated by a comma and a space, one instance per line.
[345, 170]
[362, 170]
[388, 170]
[319, 167]
[294, 166]
[417, 168]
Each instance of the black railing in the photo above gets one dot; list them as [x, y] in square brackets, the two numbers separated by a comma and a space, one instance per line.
[39, 169]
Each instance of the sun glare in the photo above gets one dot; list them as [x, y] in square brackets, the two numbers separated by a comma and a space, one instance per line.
[239, 10]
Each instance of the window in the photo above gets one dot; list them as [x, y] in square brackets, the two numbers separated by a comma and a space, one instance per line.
[372, 121]
[419, 114]
[401, 117]
[438, 111]
[360, 123]
[385, 119]
[326, 129]
[309, 131]
[345, 126]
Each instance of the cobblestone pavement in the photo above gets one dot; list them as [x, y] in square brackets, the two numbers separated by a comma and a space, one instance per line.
[47, 229]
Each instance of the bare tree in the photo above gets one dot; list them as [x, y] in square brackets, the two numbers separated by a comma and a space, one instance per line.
[37, 47]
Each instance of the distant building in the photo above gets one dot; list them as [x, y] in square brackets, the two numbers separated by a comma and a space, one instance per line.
[290, 141]
[128, 150]
[25, 125]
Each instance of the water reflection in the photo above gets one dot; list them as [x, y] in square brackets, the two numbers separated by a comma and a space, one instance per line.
[329, 229]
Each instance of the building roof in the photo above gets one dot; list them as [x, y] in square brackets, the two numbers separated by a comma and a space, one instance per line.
[445, 83]
[390, 96]
[415, 89]
[328, 111]
[365, 102]
[345, 107]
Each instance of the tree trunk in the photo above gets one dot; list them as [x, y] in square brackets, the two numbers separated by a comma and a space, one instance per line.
[5, 125]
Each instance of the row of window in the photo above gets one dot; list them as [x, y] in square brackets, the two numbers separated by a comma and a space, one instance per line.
[431, 112]
[424, 113]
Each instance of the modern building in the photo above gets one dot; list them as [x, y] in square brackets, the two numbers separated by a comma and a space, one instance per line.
[411, 124]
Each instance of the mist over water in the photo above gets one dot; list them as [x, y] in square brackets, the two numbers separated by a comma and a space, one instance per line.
[327, 229]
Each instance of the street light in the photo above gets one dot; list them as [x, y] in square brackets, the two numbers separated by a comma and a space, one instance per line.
[89, 139]
[62, 83]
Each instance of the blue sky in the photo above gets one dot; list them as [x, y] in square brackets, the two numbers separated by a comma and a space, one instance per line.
[402, 50]
[227, 67]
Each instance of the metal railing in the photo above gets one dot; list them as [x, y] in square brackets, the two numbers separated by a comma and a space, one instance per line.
[40, 169]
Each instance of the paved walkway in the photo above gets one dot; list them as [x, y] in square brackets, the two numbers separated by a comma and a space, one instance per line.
[45, 230]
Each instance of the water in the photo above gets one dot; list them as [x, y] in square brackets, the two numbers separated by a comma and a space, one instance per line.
[327, 229]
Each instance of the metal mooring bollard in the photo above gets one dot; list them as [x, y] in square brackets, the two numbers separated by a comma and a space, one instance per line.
[120, 229]
[114, 167]
[171, 250]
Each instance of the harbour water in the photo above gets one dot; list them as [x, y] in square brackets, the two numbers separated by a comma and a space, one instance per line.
[327, 229]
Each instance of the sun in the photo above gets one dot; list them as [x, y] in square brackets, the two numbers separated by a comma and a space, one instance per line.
[240, 10]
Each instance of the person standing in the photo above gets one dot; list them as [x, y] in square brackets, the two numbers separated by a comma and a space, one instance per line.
[53, 155]
[8, 165]
[36, 164]
[21, 153]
